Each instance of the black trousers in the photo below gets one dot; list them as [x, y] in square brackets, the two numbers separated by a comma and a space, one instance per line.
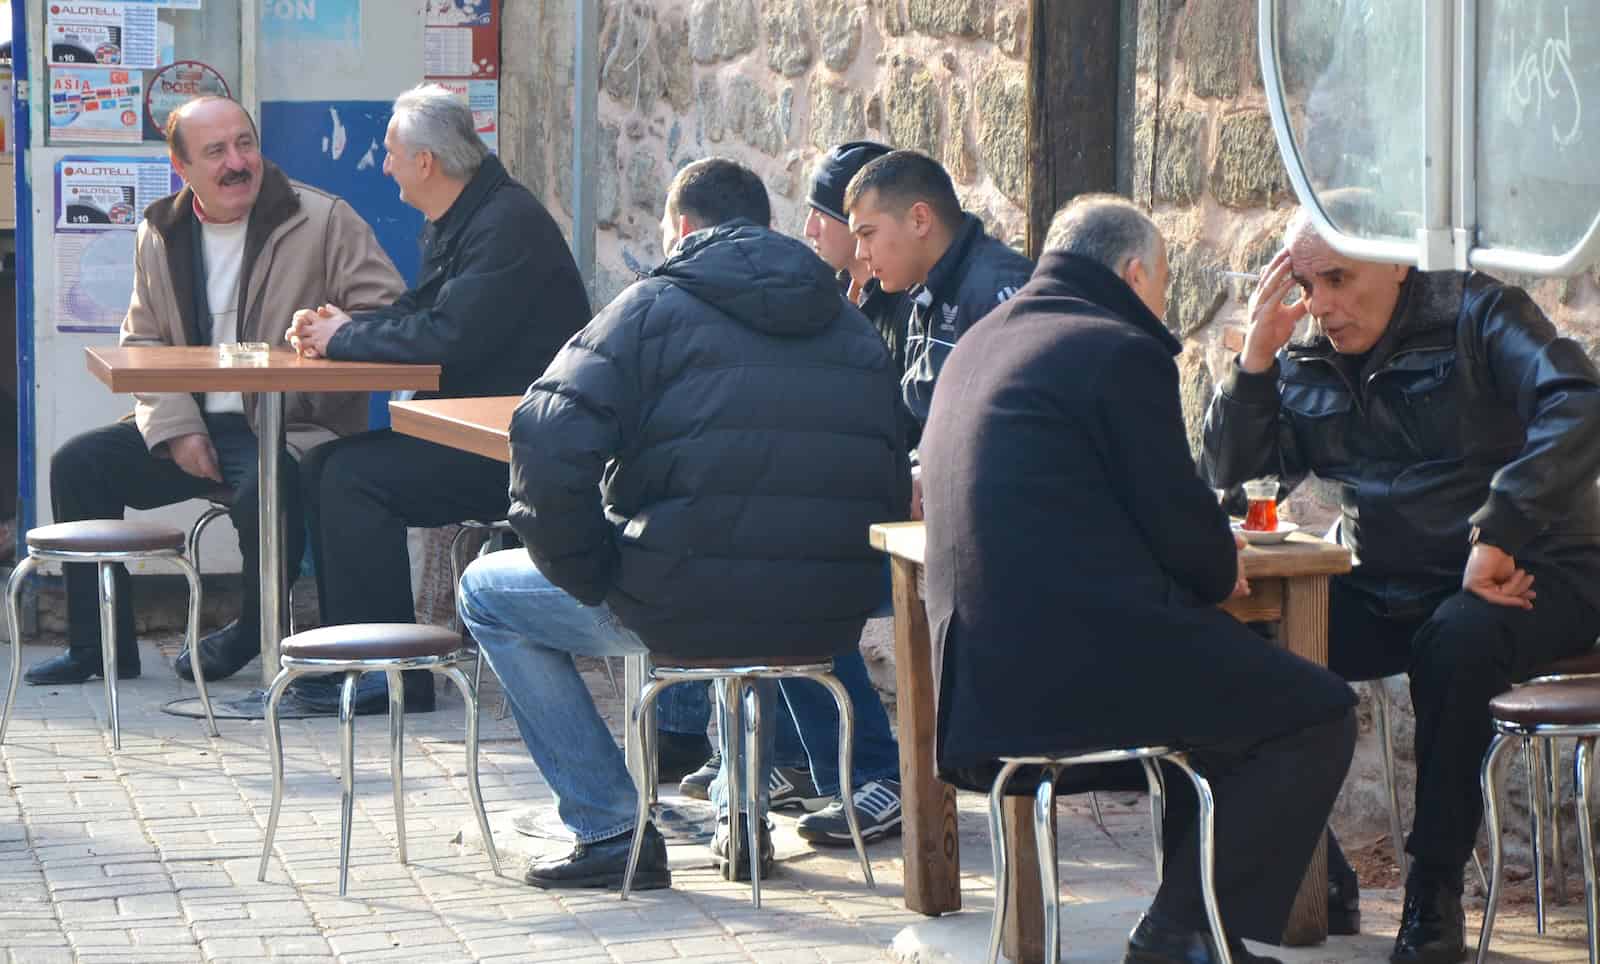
[103, 472]
[1460, 652]
[1272, 802]
[361, 493]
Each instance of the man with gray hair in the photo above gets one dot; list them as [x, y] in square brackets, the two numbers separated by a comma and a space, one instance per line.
[498, 295]
[1059, 492]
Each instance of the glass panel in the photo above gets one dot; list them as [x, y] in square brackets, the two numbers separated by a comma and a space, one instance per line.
[1538, 133]
[1352, 73]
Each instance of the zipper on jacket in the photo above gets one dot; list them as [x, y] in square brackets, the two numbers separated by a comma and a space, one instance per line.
[1355, 396]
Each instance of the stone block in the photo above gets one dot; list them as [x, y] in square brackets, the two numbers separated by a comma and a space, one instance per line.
[892, 15]
[1213, 45]
[1248, 171]
[608, 179]
[1180, 155]
[677, 71]
[788, 24]
[949, 18]
[630, 59]
[911, 108]
[959, 158]
[722, 29]
[1011, 29]
[1195, 388]
[754, 115]
[646, 190]
[837, 114]
[1195, 291]
[708, 96]
[1002, 102]
[838, 32]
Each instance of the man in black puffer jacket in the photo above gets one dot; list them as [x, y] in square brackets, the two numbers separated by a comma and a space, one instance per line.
[740, 419]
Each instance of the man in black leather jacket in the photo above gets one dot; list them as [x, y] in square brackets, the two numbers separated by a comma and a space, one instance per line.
[1463, 435]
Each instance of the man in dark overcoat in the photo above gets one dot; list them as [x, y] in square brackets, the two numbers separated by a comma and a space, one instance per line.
[1075, 560]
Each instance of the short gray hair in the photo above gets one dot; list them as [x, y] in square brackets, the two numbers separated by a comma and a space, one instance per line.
[430, 118]
[1105, 228]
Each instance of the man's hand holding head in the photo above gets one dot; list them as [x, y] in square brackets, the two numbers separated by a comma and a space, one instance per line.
[310, 331]
[1271, 320]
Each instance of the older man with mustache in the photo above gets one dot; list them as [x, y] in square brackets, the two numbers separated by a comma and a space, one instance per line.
[228, 258]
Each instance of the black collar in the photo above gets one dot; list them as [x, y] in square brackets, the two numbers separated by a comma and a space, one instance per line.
[1072, 276]
[489, 176]
[946, 272]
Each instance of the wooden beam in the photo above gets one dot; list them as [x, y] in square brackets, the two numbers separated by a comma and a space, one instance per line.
[1074, 78]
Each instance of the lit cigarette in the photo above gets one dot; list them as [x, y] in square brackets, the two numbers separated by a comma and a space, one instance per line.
[1245, 275]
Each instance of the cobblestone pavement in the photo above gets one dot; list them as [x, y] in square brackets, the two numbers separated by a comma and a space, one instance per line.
[149, 854]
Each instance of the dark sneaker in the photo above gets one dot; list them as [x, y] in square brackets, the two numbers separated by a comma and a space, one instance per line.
[679, 753]
[75, 666]
[1157, 941]
[697, 785]
[719, 850]
[1432, 925]
[789, 788]
[222, 653]
[877, 811]
[603, 864]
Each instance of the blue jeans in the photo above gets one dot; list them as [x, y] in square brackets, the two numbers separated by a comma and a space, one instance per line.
[529, 630]
[807, 731]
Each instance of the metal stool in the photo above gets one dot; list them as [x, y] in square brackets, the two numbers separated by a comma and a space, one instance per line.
[387, 648]
[741, 713]
[105, 542]
[1544, 711]
[1044, 825]
[221, 505]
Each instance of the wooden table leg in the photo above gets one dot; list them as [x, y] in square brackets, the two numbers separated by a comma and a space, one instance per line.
[1023, 938]
[1305, 633]
[932, 848]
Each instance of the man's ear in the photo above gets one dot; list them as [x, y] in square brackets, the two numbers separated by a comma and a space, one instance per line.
[684, 227]
[920, 217]
[1135, 273]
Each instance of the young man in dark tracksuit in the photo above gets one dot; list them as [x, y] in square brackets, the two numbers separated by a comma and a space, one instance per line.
[910, 230]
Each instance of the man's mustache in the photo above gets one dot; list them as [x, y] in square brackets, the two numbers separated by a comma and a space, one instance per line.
[235, 177]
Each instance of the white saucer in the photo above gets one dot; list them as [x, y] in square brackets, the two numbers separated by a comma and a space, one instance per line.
[1256, 538]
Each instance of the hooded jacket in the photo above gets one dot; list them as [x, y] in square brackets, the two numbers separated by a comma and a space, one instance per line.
[497, 296]
[740, 419]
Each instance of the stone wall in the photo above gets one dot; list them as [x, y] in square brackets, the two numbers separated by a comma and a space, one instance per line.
[771, 83]
[1205, 161]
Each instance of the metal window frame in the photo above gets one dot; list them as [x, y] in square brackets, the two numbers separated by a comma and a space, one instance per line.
[1449, 235]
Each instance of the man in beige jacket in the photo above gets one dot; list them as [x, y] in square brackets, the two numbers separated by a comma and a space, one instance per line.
[227, 259]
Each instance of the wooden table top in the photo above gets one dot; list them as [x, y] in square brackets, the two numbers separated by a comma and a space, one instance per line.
[163, 368]
[1300, 555]
[481, 426]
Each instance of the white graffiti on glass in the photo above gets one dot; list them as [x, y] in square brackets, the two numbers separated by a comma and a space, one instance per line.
[1541, 72]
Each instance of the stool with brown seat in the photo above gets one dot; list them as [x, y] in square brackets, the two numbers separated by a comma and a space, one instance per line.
[1544, 711]
[388, 648]
[106, 543]
[740, 716]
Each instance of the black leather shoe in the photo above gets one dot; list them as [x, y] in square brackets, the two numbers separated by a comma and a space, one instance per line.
[222, 653]
[719, 850]
[603, 863]
[1432, 925]
[75, 666]
[1344, 903]
[1158, 941]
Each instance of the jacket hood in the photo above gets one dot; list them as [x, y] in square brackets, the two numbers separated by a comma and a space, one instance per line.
[763, 280]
